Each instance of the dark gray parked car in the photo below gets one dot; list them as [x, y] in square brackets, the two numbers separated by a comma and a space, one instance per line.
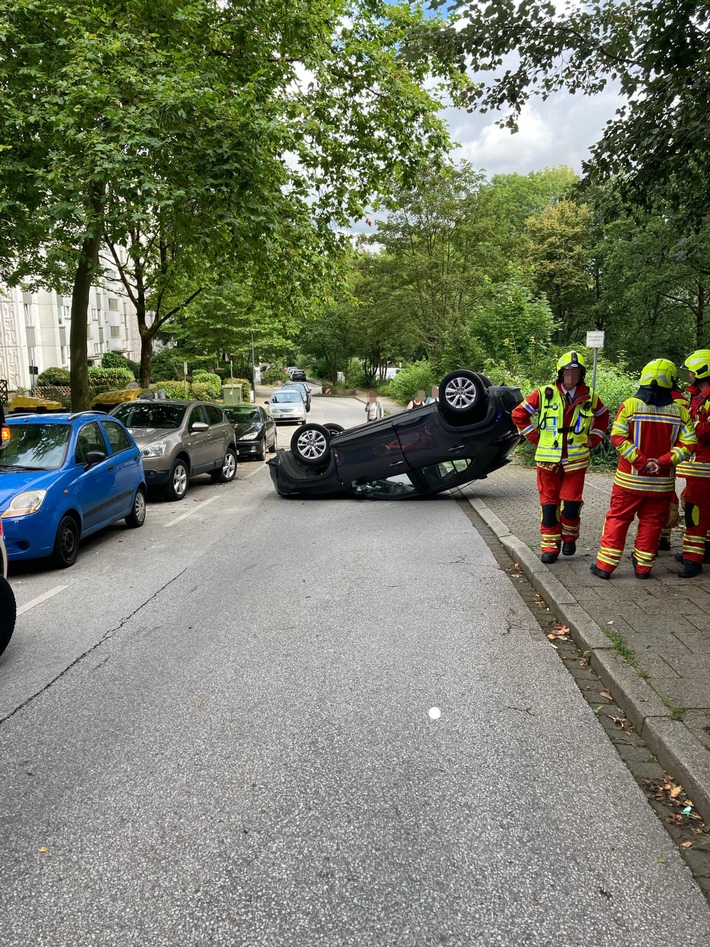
[180, 439]
[254, 430]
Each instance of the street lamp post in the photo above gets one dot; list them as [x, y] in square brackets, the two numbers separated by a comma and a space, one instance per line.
[253, 371]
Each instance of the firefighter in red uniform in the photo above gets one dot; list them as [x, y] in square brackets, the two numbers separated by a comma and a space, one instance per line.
[652, 433]
[564, 421]
[697, 469]
[673, 515]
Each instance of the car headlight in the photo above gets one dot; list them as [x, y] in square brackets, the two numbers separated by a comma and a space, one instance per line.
[154, 450]
[250, 435]
[25, 503]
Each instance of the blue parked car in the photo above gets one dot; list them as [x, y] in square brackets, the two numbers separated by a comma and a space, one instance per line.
[64, 476]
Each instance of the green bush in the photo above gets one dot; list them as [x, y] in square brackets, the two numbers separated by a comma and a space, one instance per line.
[274, 375]
[172, 388]
[206, 386]
[167, 365]
[114, 360]
[110, 379]
[411, 378]
[53, 376]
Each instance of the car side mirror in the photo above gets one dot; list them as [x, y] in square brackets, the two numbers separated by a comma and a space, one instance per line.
[266, 402]
[197, 427]
[93, 458]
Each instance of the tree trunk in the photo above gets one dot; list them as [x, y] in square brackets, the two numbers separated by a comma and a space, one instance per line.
[146, 353]
[87, 267]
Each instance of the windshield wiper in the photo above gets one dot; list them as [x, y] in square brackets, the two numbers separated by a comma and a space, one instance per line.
[17, 467]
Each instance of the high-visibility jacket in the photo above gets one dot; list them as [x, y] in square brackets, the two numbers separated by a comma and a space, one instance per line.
[562, 431]
[641, 431]
[699, 463]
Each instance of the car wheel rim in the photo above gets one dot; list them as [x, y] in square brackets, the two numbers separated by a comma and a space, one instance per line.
[312, 445]
[68, 542]
[230, 466]
[461, 393]
[139, 507]
[180, 480]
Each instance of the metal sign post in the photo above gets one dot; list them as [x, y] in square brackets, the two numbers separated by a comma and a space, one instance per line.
[595, 341]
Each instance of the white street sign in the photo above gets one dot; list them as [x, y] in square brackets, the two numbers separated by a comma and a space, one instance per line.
[595, 340]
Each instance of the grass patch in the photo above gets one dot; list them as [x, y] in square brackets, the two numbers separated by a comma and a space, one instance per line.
[617, 643]
[677, 713]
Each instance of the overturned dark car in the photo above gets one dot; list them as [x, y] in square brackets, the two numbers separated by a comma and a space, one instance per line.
[464, 436]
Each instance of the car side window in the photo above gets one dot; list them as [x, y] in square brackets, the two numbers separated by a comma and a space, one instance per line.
[197, 414]
[447, 472]
[117, 437]
[214, 414]
[89, 438]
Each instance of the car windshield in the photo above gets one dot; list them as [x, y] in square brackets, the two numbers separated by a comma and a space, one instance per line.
[242, 414]
[152, 414]
[399, 485]
[281, 397]
[36, 446]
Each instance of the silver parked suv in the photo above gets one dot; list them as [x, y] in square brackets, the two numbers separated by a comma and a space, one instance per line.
[180, 439]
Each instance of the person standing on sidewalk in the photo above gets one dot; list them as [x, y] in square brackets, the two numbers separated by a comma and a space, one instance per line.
[697, 469]
[565, 421]
[373, 407]
[673, 515]
[652, 434]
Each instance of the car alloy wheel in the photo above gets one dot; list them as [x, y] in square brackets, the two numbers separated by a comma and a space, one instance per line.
[176, 487]
[136, 518]
[311, 445]
[462, 397]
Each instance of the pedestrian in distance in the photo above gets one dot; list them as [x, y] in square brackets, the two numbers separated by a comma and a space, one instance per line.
[373, 408]
[417, 401]
[697, 469]
[565, 421]
[652, 434]
[434, 396]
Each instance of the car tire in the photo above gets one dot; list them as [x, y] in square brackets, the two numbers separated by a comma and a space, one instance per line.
[66, 543]
[176, 487]
[462, 397]
[334, 428]
[228, 471]
[136, 518]
[8, 613]
[310, 445]
[262, 452]
[274, 446]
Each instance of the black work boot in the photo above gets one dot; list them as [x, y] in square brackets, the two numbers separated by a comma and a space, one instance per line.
[548, 557]
[678, 557]
[569, 549]
[706, 557]
[599, 573]
[689, 570]
[639, 575]
[664, 544]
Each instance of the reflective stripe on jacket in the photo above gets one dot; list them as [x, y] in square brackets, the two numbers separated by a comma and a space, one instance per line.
[642, 431]
[555, 434]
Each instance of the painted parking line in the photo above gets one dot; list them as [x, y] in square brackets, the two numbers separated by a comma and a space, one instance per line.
[41, 598]
[195, 509]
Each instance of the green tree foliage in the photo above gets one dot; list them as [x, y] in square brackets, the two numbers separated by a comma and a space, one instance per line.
[560, 242]
[115, 360]
[275, 121]
[655, 51]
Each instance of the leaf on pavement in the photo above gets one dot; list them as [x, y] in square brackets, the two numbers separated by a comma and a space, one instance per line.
[607, 695]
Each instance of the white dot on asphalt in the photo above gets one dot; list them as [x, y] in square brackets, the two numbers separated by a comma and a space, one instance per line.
[434, 713]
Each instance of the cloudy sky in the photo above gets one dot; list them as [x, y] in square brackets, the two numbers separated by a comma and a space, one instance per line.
[558, 131]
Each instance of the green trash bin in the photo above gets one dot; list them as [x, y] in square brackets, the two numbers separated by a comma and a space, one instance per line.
[232, 394]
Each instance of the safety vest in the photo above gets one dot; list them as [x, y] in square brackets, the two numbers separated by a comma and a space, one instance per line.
[550, 424]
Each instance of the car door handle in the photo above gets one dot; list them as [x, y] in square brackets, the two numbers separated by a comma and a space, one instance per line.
[110, 466]
[397, 463]
[458, 447]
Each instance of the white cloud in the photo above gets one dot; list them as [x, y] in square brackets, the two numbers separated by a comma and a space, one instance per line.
[558, 131]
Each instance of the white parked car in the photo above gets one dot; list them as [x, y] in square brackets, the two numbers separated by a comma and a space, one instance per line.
[287, 406]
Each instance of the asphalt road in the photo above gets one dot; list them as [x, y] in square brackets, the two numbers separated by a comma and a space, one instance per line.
[259, 721]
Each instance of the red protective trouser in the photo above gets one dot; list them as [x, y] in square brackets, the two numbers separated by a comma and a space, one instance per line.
[651, 509]
[697, 518]
[560, 506]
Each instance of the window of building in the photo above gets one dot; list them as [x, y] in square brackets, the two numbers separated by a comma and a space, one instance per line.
[115, 332]
[113, 305]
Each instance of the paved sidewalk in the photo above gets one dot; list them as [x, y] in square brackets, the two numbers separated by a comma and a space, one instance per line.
[649, 641]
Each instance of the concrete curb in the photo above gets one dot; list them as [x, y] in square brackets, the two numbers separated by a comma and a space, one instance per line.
[670, 740]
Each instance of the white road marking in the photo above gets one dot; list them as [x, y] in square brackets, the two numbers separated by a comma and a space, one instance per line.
[41, 598]
[197, 507]
[434, 713]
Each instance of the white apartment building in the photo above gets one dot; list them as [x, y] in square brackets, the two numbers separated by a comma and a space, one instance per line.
[34, 330]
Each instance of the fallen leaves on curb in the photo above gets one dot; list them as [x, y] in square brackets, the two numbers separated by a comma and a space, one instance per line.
[683, 813]
[560, 632]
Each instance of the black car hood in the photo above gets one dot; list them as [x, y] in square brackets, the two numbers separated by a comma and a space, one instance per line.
[243, 427]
